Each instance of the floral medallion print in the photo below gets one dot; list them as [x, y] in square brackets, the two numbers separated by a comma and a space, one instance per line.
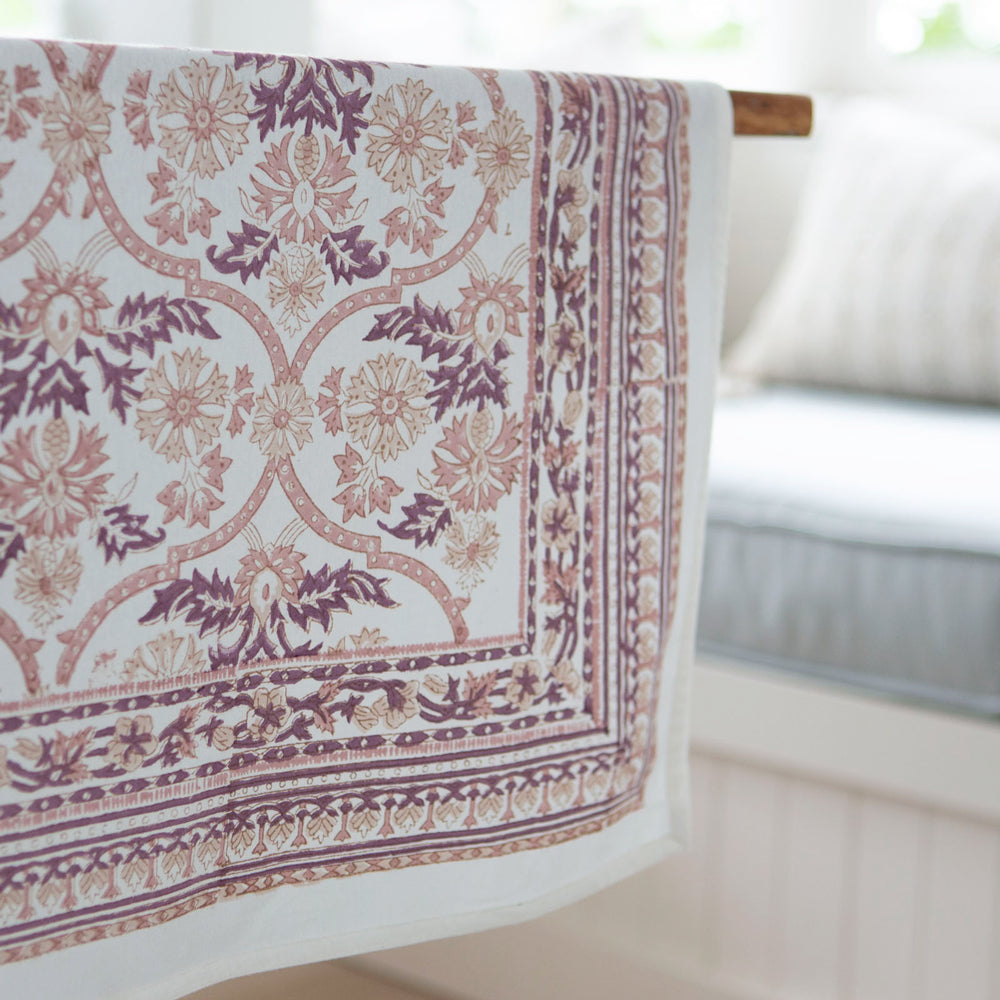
[183, 410]
[296, 287]
[47, 579]
[386, 405]
[77, 125]
[409, 135]
[62, 303]
[202, 114]
[503, 153]
[341, 434]
[282, 419]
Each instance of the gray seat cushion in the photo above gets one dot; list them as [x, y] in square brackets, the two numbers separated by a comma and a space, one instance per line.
[857, 538]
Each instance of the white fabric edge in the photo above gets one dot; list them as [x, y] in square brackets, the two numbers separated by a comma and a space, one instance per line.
[400, 935]
[708, 243]
[95, 968]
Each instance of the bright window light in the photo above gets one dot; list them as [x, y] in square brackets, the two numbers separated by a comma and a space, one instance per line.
[27, 17]
[938, 26]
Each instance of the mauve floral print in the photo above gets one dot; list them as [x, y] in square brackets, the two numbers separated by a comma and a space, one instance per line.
[341, 420]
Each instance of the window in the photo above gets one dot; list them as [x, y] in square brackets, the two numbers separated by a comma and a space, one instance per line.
[939, 27]
[34, 18]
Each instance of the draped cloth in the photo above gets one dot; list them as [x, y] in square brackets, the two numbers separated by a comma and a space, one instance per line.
[353, 435]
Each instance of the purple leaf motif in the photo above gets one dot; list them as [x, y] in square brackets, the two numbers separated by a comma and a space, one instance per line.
[59, 383]
[349, 257]
[469, 381]
[13, 392]
[241, 59]
[207, 603]
[248, 253]
[10, 321]
[11, 544]
[145, 323]
[123, 532]
[118, 381]
[460, 377]
[308, 91]
[211, 605]
[425, 519]
[328, 591]
[419, 325]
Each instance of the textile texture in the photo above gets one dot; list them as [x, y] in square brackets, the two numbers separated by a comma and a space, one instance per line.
[347, 492]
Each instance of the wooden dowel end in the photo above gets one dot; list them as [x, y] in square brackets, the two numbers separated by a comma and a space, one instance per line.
[771, 114]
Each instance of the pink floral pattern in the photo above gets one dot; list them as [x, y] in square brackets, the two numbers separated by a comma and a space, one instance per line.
[202, 113]
[475, 466]
[409, 135]
[183, 410]
[319, 444]
[77, 125]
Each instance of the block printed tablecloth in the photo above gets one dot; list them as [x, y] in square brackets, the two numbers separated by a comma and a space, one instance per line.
[353, 423]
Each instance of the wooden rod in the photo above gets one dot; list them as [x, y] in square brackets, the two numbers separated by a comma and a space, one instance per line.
[771, 114]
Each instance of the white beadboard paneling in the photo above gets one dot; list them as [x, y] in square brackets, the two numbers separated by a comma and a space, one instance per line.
[793, 724]
[887, 887]
[746, 912]
[813, 894]
[960, 910]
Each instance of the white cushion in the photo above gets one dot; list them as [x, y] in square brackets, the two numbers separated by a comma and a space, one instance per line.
[892, 279]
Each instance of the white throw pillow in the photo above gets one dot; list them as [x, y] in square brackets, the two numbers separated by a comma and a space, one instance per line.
[892, 278]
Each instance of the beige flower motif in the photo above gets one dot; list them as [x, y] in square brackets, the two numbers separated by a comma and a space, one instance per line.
[560, 523]
[367, 638]
[525, 685]
[267, 574]
[571, 191]
[304, 191]
[404, 133]
[77, 125]
[472, 550]
[571, 195]
[282, 419]
[397, 705]
[473, 465]
[223, 737]
[268, 714]
[565, 345]
[133, 741]
[503, 153]
[48, 575]
[62, 304]
[566, 674]
[168, 655]
[180, 417]
[386, 405]
[295, 287]
[207, 117]
[48, 486]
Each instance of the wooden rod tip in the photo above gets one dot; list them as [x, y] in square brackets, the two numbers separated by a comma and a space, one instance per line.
[771, 114]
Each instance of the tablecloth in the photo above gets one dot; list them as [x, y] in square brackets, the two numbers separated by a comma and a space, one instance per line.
[353, 434]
